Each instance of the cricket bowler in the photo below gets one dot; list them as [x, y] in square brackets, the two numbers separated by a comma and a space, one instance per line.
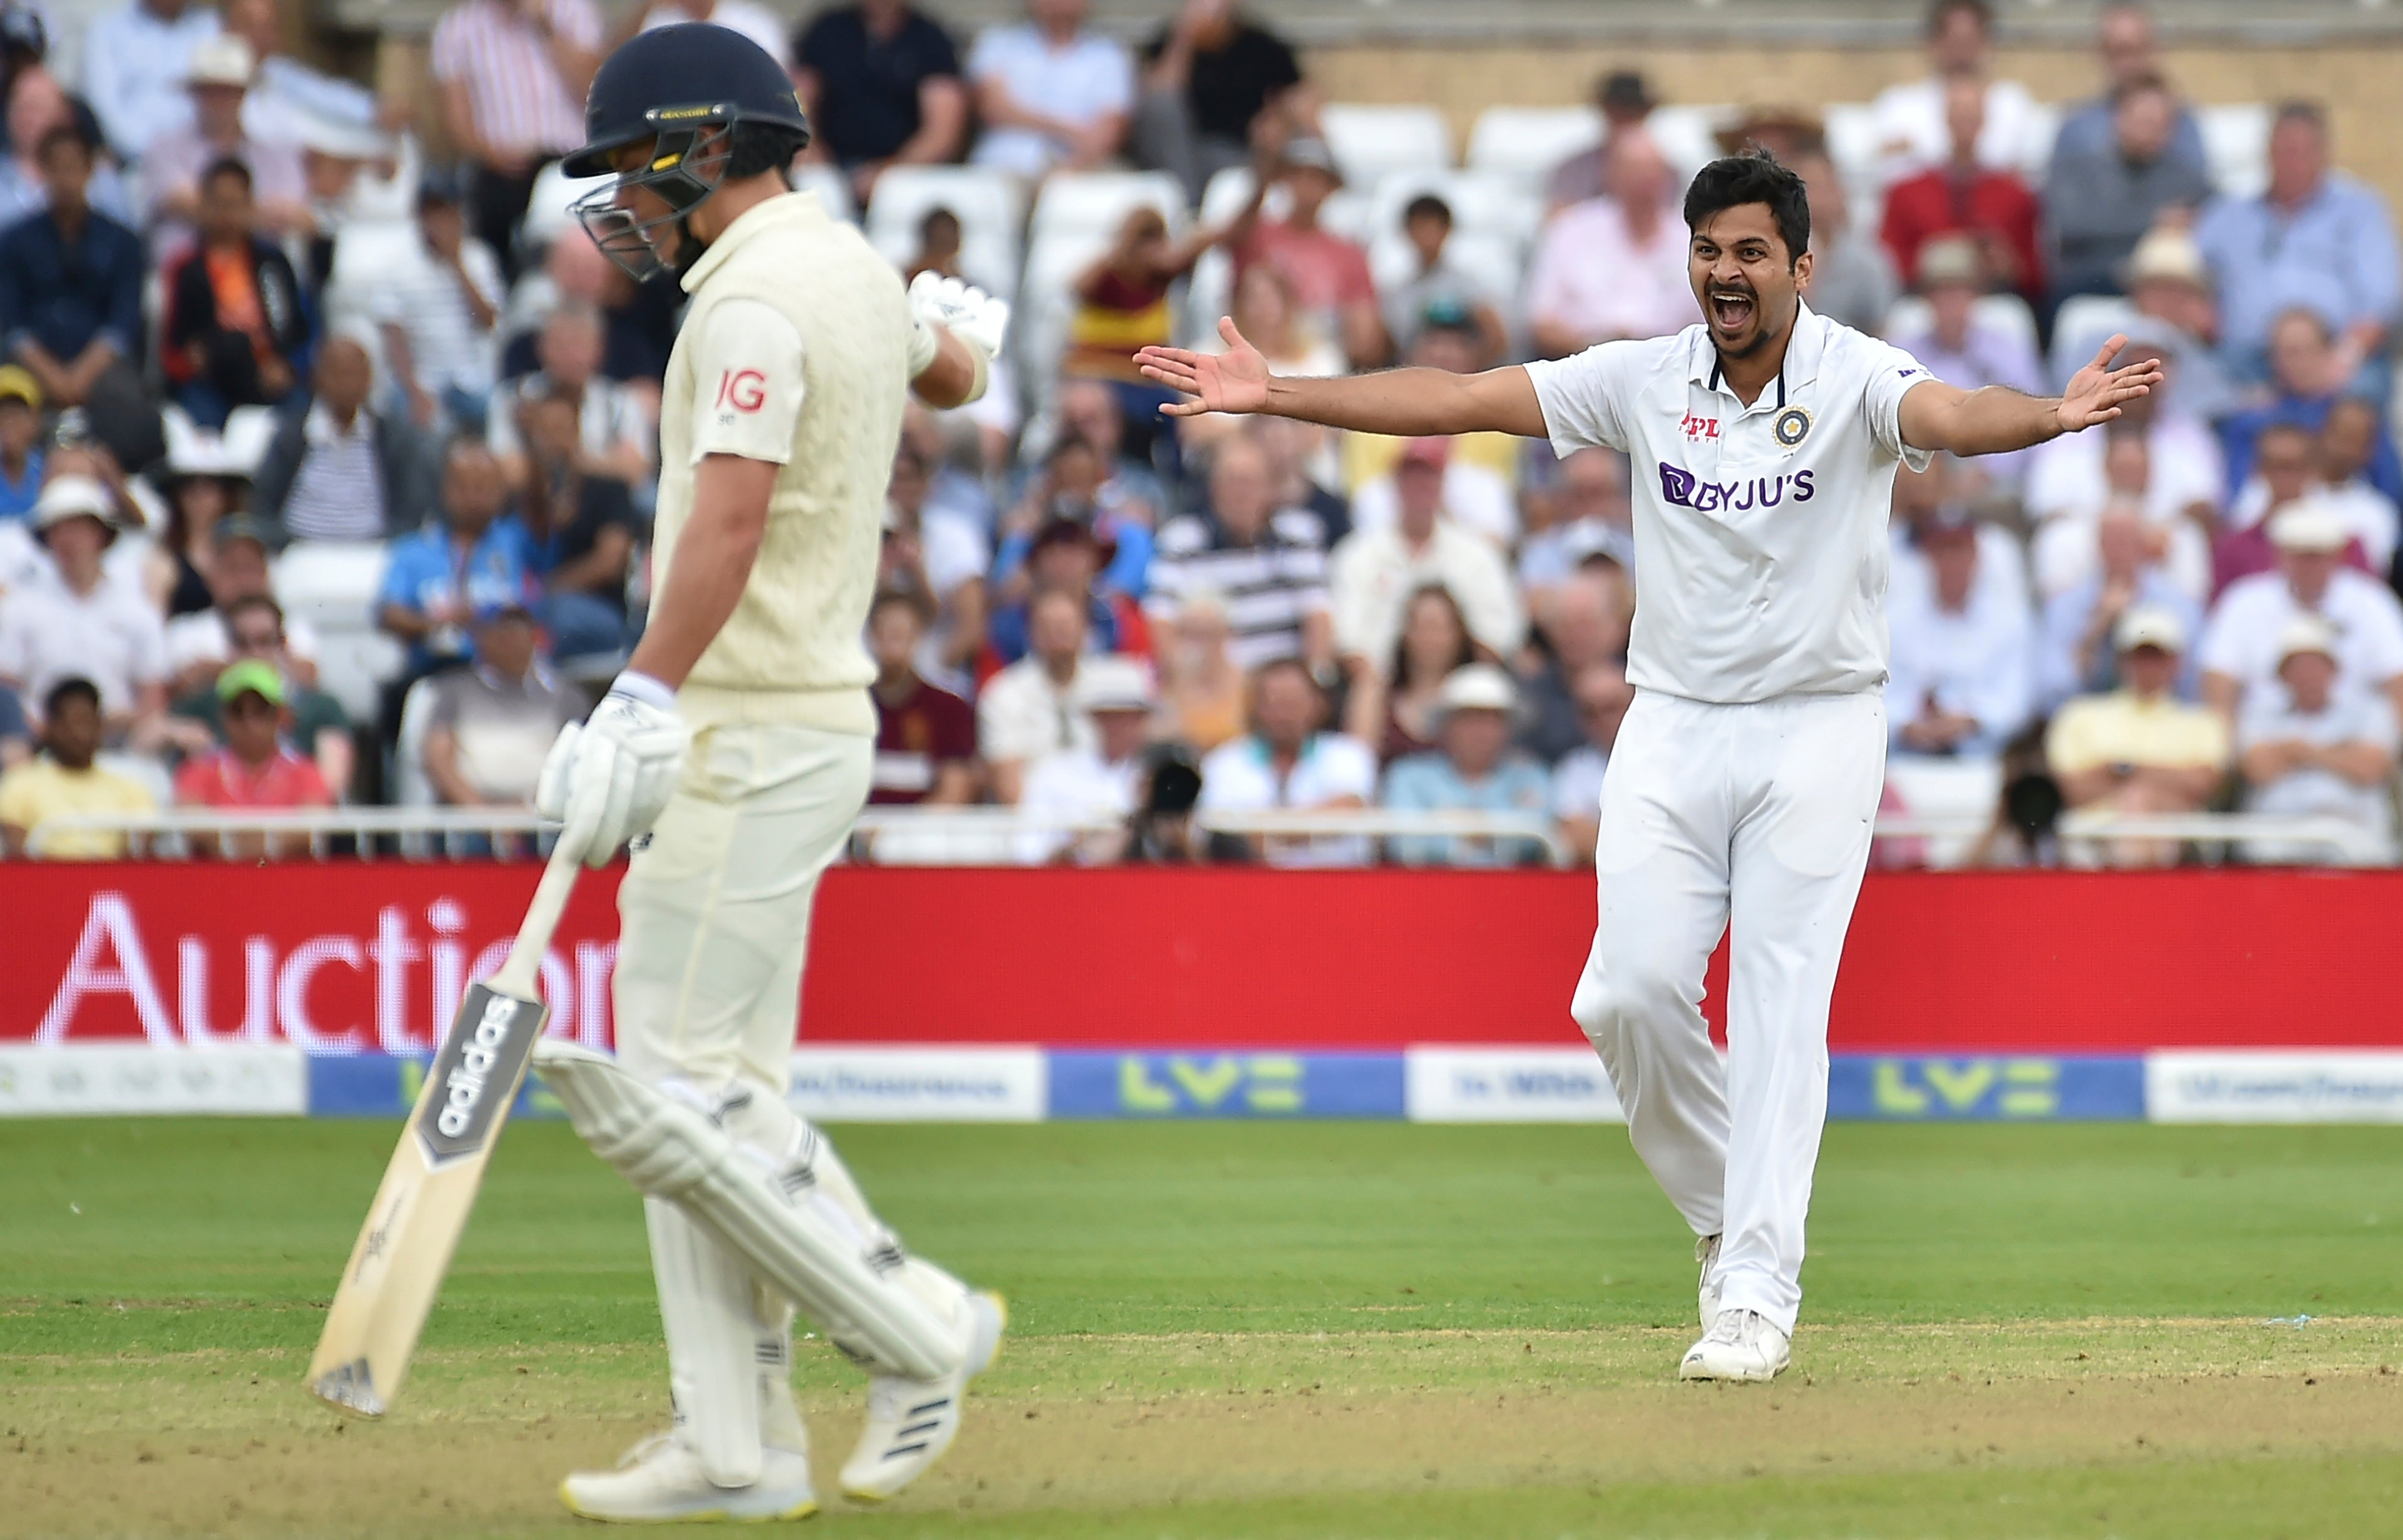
[1742, 789]
[739, 740]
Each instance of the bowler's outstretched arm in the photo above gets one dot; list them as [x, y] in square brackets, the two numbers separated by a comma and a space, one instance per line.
[1997, 419]
[1404, 403]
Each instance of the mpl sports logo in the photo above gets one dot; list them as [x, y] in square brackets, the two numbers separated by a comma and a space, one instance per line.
[1683, 488]
[477, 1073]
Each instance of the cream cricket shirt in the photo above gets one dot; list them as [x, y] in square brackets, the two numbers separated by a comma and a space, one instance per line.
[799, 348]
[1760, 531]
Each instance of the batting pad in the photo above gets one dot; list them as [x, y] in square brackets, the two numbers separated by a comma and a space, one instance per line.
[705, 1304]
[895, 1315]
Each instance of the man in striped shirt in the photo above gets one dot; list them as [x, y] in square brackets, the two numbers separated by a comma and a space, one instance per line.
[1267, 565]
[513, 75]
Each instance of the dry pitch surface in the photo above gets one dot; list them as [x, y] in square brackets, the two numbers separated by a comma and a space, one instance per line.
[1308, 1330]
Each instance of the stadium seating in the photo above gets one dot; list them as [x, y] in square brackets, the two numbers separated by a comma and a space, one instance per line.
[2236, 137]
[1524, 144]
[991, 208]
[1371, 143]
[2083, 324]
[332, 584]
[1688, 136]
[2005, 311]
[1486, 203]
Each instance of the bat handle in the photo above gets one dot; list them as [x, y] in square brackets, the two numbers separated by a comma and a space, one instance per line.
[523, 970]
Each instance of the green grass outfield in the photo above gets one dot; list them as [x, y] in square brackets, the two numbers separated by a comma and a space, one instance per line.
[1301, 1329]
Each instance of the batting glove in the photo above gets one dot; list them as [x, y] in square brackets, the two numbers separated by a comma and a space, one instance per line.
[609, 778]
[965, 311]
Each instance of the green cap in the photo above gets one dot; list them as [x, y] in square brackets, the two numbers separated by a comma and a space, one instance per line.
[251, 676]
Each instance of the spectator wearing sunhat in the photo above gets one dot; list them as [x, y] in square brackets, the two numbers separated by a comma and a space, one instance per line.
[2239, 644]
[83, 624]
[218, 81]
[255, 769]
[135, 62]
[206, 480]
[1474, 770]
[1328, 275]
[1961, 348]
[2311, 747]
[2140, 749]
[1097, 781]
[21, 442]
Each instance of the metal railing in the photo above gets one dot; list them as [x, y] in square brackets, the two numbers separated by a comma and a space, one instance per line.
[990, 835]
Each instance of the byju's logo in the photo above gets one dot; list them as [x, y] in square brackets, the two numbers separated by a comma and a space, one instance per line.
[1683, 489]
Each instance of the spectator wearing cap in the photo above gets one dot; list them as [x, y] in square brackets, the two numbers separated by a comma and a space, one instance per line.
[2315, 240]
[474, 559]
[1326, 276]
[219, 82]
[1396, 708]
[255, 769]
[205, 483]
[21, 442]
[84, 625]
[881, 82]
[1961, 682]
[1602, 696]
[1626, 102]
[66, 782]
[1029, 708]
[2287, 474]
[2075, 655]
[2312, 748]
[1264, 563]
[2100, 200]
[489, 726]
[1476, 770]
[1211, 75]
[1585, 627]
[1990, 207]
[1052, 93]
[2140, 749]
[2239, 644]
[71, 303]
[1098, 781]
[2309, 370]
[581, 524]
[613, 439]
[286, 96]
[237, 328]
[1912, 121]
[436, 309]
[135, 62]
[254, 631]
[1614, 265]
[1439, 294]
[1288, 762]
[2170, 286]
[1480, 469]
[512, 75]
[1064, 556]
[1961, 348]
[1374, 571]
[36, 103]
[339, 468]
[926, 735]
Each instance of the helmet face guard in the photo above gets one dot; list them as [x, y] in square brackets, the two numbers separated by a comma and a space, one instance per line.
[684, 141]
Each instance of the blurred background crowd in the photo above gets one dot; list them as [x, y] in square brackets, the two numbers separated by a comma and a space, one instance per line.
[325, 464]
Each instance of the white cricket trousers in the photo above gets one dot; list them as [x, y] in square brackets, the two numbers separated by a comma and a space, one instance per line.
[714, 913]
[1753, 819]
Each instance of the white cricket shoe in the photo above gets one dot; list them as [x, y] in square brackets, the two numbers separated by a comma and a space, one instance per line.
[911, 1423]
[1706, 1256]
[1741, 1345]
[659, 1481]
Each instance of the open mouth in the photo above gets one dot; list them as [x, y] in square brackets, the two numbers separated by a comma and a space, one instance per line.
[1732, 309]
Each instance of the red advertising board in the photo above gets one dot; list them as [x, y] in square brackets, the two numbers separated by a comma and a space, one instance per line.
[345, 957]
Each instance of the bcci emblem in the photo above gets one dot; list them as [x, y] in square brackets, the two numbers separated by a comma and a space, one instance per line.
[1791, 426]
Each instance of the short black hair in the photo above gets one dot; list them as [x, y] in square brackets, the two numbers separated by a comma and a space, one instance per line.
[1755, 177]
[74, 686]
[1427, 205]
[226, 165]
[754, 148]
[1942, 12]
[61, 133]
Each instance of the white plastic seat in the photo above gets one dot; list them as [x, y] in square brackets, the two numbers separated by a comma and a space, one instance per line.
[1492, 261]
[1687, 135]
[2007, 313]
[1484, 202]
[833, 188]
[2083, 323]
[988, 204]
[2236, 140]
[1096, 203]
[1371, 143]
[333, 584]
[1524, 144]
[547, 212]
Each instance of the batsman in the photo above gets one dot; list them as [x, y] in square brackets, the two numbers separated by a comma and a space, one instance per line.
[735, 752]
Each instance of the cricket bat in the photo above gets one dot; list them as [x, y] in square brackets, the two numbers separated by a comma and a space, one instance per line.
[430, 1186]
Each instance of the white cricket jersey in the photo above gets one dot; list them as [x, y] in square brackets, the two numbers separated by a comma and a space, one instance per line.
[1760, 531]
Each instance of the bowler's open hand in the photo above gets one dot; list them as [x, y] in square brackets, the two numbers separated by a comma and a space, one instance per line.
[2095, 391]
[1236, 379]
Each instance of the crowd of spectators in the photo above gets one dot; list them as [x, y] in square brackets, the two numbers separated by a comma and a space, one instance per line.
[243, 315]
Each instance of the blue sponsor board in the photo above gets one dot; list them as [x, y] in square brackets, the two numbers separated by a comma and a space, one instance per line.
[1235, 1084]
[383, 1085]
[2006, 1087]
